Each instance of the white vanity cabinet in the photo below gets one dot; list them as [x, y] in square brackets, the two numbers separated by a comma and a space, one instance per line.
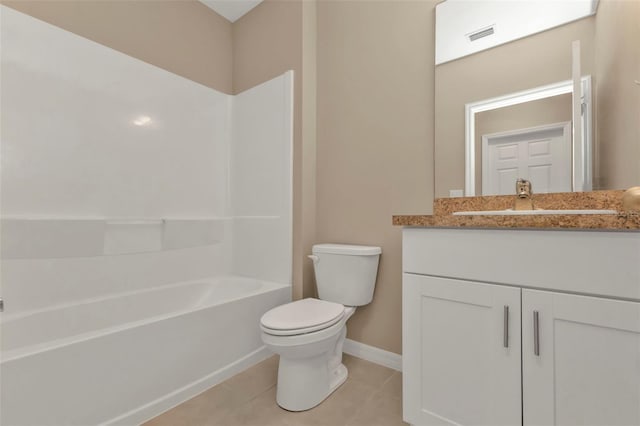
[461, 359]
[508, 327]
[586, 368]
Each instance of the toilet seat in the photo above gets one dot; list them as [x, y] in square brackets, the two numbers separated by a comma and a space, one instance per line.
[301, 317]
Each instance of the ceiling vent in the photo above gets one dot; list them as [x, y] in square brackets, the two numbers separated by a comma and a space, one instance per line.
[484, 32]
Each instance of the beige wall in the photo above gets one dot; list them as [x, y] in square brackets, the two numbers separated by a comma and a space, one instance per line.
[363, 150]
[181, 36]
[309, 142]
[375, 139]
[618, 94]
[364, 142]
[534, 61]
[267, 42]
[555, 109]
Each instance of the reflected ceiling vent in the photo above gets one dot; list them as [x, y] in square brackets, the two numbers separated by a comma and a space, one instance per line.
[484, 32]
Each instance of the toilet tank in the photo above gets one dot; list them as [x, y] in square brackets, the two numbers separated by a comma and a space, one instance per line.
[346, 274]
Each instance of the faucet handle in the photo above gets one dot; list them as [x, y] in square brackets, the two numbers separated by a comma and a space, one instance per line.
[523, 195]
[523, 188]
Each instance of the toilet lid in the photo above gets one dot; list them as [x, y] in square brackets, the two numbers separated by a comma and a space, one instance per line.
[303, 314]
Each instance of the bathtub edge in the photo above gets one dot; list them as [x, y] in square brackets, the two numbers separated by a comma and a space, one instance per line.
[154, 408]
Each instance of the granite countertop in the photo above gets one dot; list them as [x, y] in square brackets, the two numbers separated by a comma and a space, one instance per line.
[610, 200]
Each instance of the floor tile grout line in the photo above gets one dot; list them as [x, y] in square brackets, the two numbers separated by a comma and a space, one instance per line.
[388, 379]
[359, 410]
[239, 407]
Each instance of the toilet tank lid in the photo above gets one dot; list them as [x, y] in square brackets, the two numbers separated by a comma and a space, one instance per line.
[348, 249]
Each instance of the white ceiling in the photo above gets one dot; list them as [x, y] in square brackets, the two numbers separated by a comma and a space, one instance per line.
[231, 9]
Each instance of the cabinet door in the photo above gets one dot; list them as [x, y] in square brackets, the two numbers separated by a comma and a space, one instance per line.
[586, 368]
[460, 364]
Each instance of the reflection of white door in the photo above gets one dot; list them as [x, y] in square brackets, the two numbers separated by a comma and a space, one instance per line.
[541, 155]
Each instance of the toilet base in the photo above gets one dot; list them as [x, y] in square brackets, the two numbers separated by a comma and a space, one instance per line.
[338, 377]
[304, 386]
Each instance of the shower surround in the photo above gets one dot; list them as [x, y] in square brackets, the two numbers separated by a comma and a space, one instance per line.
[146, 226]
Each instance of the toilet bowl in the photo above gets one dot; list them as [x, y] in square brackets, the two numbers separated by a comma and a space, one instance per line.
[309, 334]
[310, 359]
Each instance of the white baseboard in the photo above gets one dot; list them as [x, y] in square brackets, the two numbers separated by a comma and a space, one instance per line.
[373, 354]
[154, 408]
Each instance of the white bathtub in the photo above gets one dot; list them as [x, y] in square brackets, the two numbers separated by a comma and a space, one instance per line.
[126, 358]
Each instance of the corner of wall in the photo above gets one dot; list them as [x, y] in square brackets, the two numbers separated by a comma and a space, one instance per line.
[268, 41]
[305, 286]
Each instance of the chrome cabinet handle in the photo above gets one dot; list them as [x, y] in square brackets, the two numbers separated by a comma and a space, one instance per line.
[536, 333]
[505, 325]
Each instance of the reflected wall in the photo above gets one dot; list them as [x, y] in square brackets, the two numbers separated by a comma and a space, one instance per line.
[523, 64]
[618, 94]
[610, 55]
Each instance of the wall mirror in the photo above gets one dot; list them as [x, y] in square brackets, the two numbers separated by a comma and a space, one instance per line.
[481, 99]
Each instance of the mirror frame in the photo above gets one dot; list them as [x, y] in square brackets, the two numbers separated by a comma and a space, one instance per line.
[580, 181]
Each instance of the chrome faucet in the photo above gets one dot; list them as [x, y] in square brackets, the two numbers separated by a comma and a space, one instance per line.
[523, 195]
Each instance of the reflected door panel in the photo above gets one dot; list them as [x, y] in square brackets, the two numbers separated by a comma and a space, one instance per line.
[542, 155]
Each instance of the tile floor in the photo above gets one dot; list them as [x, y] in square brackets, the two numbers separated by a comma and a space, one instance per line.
[372, 395]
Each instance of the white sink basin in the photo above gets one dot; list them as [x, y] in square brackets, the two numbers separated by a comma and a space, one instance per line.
[511, 212]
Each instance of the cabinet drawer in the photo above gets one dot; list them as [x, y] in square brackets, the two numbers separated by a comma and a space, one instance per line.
[596, 263]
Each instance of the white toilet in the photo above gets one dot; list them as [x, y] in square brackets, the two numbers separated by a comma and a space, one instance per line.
[308, 334]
